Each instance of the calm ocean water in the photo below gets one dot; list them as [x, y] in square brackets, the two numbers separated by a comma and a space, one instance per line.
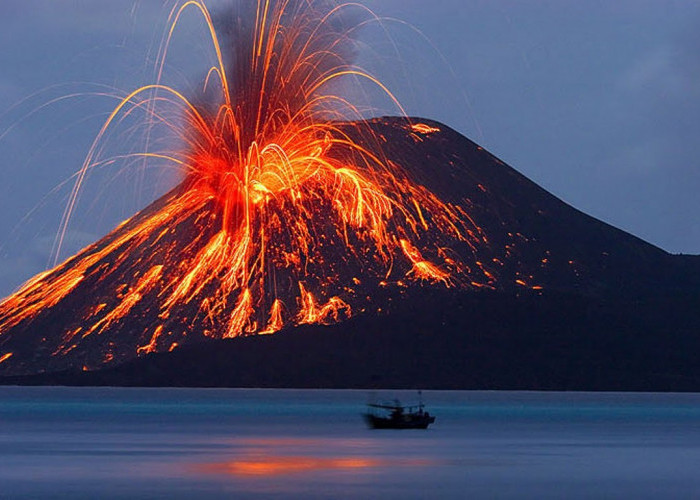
[201, 443]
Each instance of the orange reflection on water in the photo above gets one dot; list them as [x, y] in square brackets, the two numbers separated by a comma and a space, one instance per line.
[281, 455]
[274, 466]
[279, 465]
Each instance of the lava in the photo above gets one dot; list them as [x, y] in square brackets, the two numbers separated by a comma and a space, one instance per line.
[286, 189]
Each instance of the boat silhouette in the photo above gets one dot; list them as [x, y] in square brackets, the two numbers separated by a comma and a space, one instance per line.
[397, 416]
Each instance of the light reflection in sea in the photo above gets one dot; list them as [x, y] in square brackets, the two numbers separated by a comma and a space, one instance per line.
[280, 456]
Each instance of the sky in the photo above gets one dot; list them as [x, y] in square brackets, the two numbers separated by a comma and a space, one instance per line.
[596, 101]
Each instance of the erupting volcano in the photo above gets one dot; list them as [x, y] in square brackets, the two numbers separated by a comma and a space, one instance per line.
[288, 212]
[293, 208]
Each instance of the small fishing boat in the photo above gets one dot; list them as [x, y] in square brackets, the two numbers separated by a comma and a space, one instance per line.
[396, 416]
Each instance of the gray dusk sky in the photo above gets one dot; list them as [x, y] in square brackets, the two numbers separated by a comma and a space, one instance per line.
[596, 101]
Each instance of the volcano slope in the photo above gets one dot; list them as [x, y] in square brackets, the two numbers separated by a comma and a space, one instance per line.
[547, 298]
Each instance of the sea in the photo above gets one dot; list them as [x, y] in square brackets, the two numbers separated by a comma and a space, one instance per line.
[60, 442]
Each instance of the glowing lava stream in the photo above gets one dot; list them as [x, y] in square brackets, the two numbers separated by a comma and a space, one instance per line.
[288, 202]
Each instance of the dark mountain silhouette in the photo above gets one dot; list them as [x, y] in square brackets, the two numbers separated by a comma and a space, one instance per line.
[564, 301]
[454, 341]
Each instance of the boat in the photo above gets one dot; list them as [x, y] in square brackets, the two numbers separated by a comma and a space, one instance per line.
[396, 416]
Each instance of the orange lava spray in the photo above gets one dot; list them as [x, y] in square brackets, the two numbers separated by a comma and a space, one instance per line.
[287, 199]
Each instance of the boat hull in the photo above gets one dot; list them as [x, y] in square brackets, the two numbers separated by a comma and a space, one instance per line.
[404, 422]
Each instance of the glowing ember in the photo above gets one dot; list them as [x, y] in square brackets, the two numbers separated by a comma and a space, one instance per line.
[424, 129]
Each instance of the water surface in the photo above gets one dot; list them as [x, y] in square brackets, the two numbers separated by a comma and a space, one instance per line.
[182, 443]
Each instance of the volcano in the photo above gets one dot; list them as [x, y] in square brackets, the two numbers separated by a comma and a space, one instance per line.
[531, 263]
[294, 212]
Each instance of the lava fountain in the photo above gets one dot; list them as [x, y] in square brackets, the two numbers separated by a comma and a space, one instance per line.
[287, 213]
